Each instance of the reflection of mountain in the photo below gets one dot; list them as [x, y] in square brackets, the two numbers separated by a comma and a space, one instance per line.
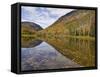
[29, 27]
[77, 23]
[28, 42]
[80, 51]
[44, 56]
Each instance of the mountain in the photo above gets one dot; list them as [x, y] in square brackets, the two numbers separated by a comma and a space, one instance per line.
[75, 23]
[29, 27]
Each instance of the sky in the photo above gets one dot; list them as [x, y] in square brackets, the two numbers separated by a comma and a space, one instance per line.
[42, 16]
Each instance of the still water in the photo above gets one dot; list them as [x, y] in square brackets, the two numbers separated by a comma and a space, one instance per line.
[57, 53]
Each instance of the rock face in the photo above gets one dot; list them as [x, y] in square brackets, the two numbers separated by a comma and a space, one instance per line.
[29, 27]
[77, 23]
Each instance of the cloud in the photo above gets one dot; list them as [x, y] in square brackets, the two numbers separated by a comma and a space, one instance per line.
[42, 16]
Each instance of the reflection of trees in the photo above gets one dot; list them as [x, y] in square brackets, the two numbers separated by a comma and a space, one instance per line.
[28, 42]
[80, 51]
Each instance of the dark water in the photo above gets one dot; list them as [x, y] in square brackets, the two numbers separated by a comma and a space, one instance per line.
[57, 53]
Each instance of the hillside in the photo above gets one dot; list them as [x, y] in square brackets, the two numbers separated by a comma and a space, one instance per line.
[75, 23]
[28, 28]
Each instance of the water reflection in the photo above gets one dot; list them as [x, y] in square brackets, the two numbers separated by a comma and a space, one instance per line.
[57, 53]
[28, 42]
[81, 51]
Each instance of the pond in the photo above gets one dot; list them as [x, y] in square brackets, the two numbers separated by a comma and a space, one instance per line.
[56, 53]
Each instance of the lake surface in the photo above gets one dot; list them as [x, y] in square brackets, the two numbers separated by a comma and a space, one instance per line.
[57, 53]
